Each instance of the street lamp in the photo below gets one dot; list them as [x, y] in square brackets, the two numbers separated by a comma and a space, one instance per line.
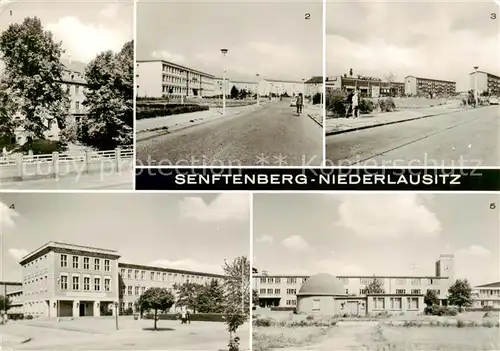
[304, 87]
[224, 52]
[475, 84]
[257, 89]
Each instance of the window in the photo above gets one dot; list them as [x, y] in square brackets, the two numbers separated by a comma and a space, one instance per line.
[86, 283]
[106, 265]
[277, 291]
[143, 275]
[97, 264]
[316, 305]
[136, 275]
[143, 289]
[291, 280]
[291, 291]
[86, 263]
[152, 276]
[122, 290]
[365, 281]
[64, 261]
[400, 291]
[137, 291]
[415, 281]
[164, 276]
[77, 105]
[158, 276]
[262, 291]
[379, 303]
[415, 291]
[277, 280]
[269, 291]
[76, 283]
[107, 284]
[64, 282]
[97, 284]
[396, 303]
[129, 274]
[270, 280]
[75, 262]
[263, 280]
[129, 290]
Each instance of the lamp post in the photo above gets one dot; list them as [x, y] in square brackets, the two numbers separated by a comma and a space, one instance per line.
[304, 88]
[257, 89]
[224, 52]
[475, 85]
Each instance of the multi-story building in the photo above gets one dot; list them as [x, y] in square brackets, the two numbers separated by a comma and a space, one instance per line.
[136, 279]
[417, 86]
[219, 86]
[367, 86]
[281, 290]
[250, 87]
[159, 78]
[486, 82]
[275, 87]
[63, 280]
[73, 82]
[487, 296]
[313, 86]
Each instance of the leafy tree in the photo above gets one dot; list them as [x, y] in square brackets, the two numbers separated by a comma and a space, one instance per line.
[33, 72]
[157, 299]
[7, 111]
[237, 288]
[376, 286]
[431, 298]
[460, 294]
[109, 99]
[255, 297]
[5, 303]
[211, 298]
[188, 294]
[234, 92]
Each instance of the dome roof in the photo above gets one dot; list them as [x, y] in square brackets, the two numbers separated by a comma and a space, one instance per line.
[322, 284]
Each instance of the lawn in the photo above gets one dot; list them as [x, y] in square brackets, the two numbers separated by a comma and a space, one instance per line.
[269, 338]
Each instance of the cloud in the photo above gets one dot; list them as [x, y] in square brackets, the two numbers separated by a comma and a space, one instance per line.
[7, 216]
[84, 41]
[223, 207]
[387, 216]
[296, 243]
[475, 250]
[265, 239]
[111, 10]
[168, 56]
[188, 264]
[337, 267]
[17, 254]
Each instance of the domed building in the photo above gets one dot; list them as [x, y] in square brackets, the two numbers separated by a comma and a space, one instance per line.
[317, 294]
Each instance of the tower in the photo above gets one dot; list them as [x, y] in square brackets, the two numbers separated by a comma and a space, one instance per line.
[445, 266]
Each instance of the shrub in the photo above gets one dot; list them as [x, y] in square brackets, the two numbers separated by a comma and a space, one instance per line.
[461, 324]
[436, 310]
[336, 105]
[316, 99]
[365, 106]
[29, 316]
[263, 322]
[43, 146]
[387, 105]
[159, 110]
[195, 317]
[310, 318]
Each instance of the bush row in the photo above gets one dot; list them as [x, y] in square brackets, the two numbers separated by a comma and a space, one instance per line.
[198, 317]
[436, 310]
[167, 110]
[308, 322]
[337, 105]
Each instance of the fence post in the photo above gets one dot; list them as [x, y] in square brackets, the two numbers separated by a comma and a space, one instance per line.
[19, 165]
[118, 158]
[55, 164]
[87, 161]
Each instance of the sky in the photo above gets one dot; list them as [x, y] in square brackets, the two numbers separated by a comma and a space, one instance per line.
[272, 39]
[442, 40]
[382, 234]
[195, 232]
[86, 28]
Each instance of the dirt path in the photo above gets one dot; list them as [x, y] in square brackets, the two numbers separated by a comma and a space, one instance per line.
[352, 337]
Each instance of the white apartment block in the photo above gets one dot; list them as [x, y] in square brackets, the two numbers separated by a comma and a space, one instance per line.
[487, 296]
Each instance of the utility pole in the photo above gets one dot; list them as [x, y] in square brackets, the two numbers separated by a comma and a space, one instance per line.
[224, 52]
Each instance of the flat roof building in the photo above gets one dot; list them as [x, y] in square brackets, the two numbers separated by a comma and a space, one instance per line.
[486, 82]
[368, 86]
[429, 87]
[487, 296]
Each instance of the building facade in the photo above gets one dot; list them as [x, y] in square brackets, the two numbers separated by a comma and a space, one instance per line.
[62, 280]
[160, 78]
[250, 87]
[281, 290]
[486, 82]
[487, 296]
[275, 87]
[136, 279]
[313, 86]
[367, 86]
[427, 87]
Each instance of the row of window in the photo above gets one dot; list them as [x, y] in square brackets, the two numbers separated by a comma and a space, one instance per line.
[291, 302]
[278, 280]
[77, 89]
[87, 286]
[345, 281]
[162, 276]
[86, 263]
[396, 303]
[137, 290]
[489, 292]
[277, 291]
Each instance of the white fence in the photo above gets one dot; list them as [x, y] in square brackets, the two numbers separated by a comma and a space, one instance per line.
[20, 167]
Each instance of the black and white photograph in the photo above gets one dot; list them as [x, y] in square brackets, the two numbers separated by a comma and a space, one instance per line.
[66, 94]
[136, 272]
[376, 271]
[412, 84]
[230, 83]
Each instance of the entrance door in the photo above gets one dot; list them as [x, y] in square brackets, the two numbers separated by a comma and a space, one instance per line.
[82, 309]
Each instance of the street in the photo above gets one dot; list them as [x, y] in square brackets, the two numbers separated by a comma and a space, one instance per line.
[467, 138]
[270, 136]
[105, 181]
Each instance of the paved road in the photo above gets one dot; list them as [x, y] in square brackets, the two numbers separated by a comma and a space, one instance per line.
[271, 136]
[461, 139]
[118, 181]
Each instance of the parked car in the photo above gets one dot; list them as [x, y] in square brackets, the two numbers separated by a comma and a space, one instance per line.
[493, 100]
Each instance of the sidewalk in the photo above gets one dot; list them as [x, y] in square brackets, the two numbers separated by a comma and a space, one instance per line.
[315, 112]
[150, 127]
[343, 125]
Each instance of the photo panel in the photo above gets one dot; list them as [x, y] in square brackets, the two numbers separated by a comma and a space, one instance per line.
[66, 94]
[376, 271]
[137, 271]
[229, 83]
[412, 84]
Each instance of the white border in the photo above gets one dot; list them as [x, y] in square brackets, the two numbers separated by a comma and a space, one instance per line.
[250, 319]
[324, 84]
[134, 159]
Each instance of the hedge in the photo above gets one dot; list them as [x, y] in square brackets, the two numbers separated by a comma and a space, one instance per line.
[160, 110]
[195, 317]
[283, 309]
[43, 146]
[436, 310]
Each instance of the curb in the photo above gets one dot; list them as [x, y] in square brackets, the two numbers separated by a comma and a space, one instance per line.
[315, 120]
[384, 124]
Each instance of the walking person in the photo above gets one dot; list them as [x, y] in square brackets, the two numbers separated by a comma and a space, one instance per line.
[355, 104]
[183, 317]
[188, 317]
[348, 103]
[300, 103]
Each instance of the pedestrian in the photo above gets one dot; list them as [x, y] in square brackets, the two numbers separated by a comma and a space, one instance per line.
[300, 103]
[183, 317]
[348, 103]
[355, 104]
[188, 317]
